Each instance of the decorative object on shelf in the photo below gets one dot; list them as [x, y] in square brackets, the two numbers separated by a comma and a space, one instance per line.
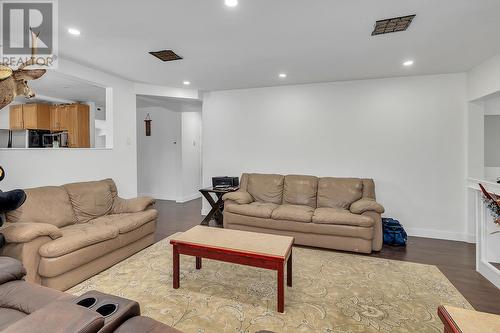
[15, 82]
[147, 121]
[493, 203]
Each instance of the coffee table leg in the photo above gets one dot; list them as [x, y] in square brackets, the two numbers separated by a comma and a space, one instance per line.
[281, 288]
[198, 262]
[175, 252]
[289, 271]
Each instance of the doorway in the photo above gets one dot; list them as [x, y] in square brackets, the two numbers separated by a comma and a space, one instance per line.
[169, 159]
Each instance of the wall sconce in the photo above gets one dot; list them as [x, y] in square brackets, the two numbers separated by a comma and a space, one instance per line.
[147, 121]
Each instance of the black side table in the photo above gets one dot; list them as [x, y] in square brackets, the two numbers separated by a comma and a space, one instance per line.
[217, 206]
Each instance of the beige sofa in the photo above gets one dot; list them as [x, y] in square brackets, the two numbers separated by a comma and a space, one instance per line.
[334, 213]
[66, 234]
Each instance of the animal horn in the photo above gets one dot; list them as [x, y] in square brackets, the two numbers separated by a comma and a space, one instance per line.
[32, 60]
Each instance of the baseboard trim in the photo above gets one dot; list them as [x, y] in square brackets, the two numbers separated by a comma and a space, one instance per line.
[440, 234]
[188, 197]
[158, 197]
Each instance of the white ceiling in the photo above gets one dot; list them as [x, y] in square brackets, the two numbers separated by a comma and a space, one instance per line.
[171, 104]
[248, 46]
[53, 86]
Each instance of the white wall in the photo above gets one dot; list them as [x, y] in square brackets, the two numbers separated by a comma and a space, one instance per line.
[31, 167]
[158, 159]
[483, 90]
[191, 155]
[492, 141]
[484, 79]
[166, 170]
[409, 134]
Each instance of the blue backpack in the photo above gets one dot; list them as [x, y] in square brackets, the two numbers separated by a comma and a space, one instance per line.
[394, 233]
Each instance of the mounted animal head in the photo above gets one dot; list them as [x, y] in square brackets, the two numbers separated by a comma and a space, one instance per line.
[15, 82]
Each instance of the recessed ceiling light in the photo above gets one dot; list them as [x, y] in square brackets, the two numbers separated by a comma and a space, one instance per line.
[186, 83]
[74, 31]
[282, 75]
[408, 63]
[231, 3]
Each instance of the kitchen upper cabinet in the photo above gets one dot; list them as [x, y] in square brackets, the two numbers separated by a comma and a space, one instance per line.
[30, 116]
[36, 116]
[78, 125]
[73, 118]
[59, 118]
[16, 119]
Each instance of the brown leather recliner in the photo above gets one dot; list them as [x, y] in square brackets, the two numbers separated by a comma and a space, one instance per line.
[27, 307]
[334, 213]
[65, 234]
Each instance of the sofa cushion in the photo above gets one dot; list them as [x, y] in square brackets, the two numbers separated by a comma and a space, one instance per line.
[300, 190]
[126, 222]
[255, 209]
[51, 267]
[49, 204]
[340, 216]
[77, 236]
[91, 199]
[287, 227]
[293, 213]
[266, 188]
[339, 192]
[9, 316]
[28, 297]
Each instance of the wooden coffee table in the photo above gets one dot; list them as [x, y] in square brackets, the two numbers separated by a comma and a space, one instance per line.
[458, 320]
[238, 247]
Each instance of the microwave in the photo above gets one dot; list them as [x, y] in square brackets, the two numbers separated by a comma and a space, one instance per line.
[35, 138]
[49, 139]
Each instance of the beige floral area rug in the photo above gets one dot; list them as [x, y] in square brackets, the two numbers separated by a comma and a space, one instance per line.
[332, 293]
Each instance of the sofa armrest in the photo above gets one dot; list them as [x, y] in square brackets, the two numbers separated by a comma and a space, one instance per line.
[28, 254]
[240, 197]
[132, 205]
[21, 232]
[364, 205]
[59, 317]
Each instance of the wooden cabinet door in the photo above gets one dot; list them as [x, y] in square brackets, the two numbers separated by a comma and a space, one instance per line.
[30, 116]
[54, 118]
[84, 125]
[64, 118]
[16, 120]
[59, 118]
[71, 113]
[75, 119]
[43, 116]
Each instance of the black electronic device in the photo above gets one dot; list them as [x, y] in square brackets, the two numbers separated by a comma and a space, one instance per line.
[225, 182]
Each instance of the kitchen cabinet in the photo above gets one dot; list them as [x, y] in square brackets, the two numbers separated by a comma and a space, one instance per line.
[30, 116]
[59, 118]
[73, 118]
[36, 116]
[78, 125]
[16, 120]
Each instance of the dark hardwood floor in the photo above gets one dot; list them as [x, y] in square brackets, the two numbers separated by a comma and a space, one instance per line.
[457, 260]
